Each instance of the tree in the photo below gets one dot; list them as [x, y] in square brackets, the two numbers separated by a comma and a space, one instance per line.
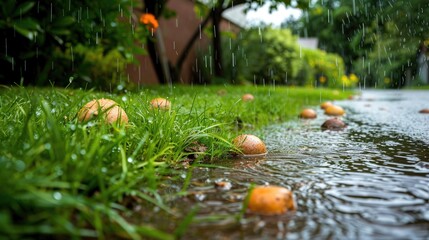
[219, 6]
[378, 39]
[38, 34]
[158, 59]
[212, 10]
[269, 58]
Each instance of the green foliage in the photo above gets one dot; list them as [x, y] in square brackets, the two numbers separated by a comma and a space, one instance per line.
[378, 40]
[265, 56]
[104, 71]
[37, 34]
[327, 69]
[272, 56]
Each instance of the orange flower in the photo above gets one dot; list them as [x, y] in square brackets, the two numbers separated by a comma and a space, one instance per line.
[150, 21]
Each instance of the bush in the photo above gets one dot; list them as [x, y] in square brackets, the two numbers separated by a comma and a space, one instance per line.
[104, 71]
[269, 56]
[327, 69]
[41, 36]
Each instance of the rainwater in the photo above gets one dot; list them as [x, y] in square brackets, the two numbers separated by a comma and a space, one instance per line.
[370, 181]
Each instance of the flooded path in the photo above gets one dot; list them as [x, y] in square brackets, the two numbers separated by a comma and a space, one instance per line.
[370, 181]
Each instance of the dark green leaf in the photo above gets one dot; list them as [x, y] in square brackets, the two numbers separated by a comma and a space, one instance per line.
[3, 24]
[28, 24]
[63, 21]
[60, 31]
[25, 32]
[23, 8]
[7, 7]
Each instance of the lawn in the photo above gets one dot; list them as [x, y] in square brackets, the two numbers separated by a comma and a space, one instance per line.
[62, 178]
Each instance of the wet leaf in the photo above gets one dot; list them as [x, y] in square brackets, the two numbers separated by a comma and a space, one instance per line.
[63, 21]
[23, 8]
[26, 33]
[28, 24]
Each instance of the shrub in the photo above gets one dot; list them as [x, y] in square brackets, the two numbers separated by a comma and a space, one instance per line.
[269, 56]
[104, 71]
[327, 69]
[38, 34]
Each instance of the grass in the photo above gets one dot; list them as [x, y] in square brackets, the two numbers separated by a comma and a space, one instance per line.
[65, 179]
[421, 87]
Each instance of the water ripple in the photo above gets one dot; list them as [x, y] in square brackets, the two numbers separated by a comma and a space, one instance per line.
[370, 181]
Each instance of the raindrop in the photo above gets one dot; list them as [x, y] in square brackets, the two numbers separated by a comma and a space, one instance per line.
[19, 166]
[130, 160]
[47, 146]
[124, 99]
[329, 15]
[59, 172]
[200, 196]
[72, 56]
[51, 13]
[82, 152]
[354, 7]
[103, 170]
[73, 157]
[57, 196]
[214, 31]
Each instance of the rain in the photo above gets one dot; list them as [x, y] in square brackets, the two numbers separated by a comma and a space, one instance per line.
[214, 119]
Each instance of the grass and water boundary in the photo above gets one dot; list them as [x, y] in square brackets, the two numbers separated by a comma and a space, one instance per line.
[63, 178]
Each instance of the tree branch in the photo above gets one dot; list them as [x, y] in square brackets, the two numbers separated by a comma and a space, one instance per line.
[184, 53]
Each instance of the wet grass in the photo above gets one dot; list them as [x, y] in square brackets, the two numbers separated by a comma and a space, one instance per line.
[64, 179]
[422, 87]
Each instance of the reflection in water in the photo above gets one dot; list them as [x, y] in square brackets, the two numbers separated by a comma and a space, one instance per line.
[369, 181]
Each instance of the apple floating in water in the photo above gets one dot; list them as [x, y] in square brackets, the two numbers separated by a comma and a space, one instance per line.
[424, 110]
[308, 114]
[247, 97]
[107, 108]
[250, 145]
[334, 111]
[334, 124]
[325, 105]
[160, 103]
[270, 200]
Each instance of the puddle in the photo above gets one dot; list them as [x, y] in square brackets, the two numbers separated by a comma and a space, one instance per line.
[369, 181]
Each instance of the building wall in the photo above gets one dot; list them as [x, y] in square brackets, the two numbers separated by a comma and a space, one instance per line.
[176, 32]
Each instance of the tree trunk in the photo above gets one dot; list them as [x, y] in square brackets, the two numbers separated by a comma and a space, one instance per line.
[155, 59]
[155, 8]
[178, 66]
